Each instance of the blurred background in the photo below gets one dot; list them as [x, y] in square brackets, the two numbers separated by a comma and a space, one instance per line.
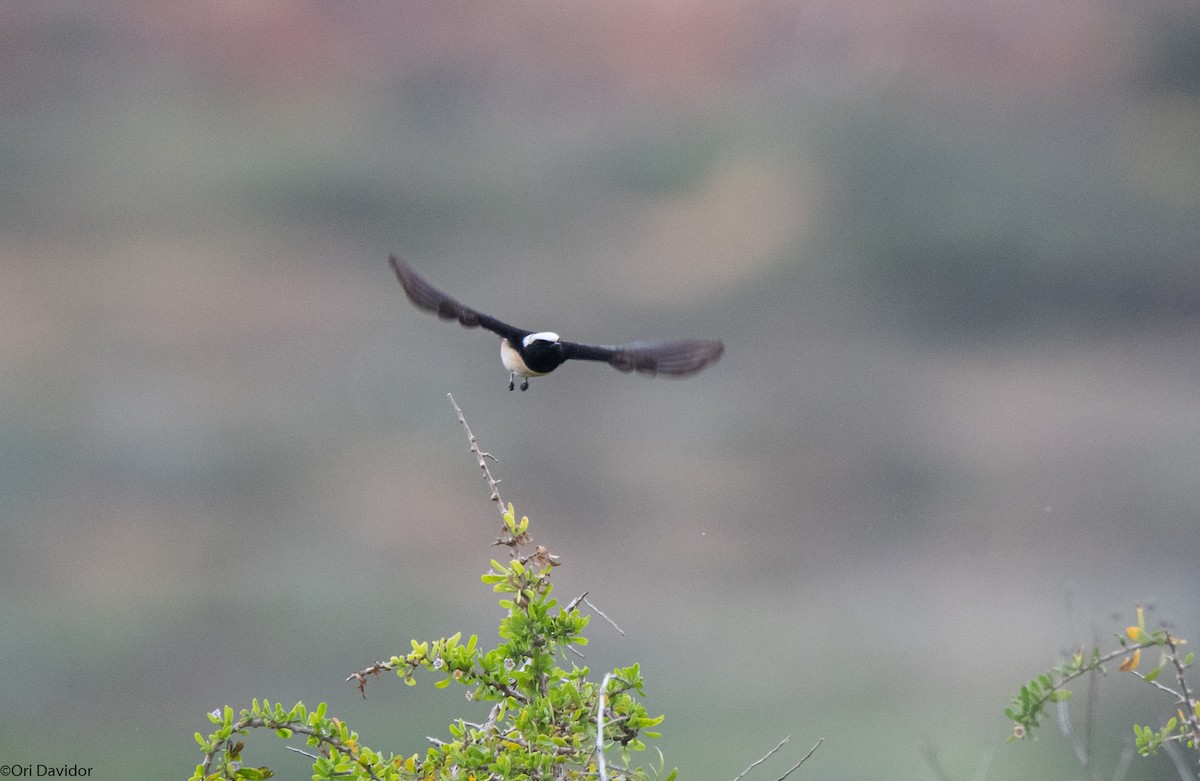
[951, 248]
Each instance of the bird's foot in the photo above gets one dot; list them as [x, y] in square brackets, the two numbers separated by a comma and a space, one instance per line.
[511, 384]
[524, 385]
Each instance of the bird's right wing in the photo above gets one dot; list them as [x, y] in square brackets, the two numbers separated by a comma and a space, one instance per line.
[426, 296]
[675, 358]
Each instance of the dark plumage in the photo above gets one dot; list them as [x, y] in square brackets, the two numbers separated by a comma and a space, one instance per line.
[532, 354]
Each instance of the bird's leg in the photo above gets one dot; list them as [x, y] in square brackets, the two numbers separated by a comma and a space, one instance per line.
[525, 384]
[511, 384]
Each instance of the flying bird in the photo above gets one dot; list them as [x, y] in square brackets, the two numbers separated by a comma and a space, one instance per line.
[534, 353]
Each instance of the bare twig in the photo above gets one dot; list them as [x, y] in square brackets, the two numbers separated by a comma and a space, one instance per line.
[761, 759]
[600, 763]
[764, 757]
[803, 759]
[313, 757]
[600, 612]
[480, 456]
[1178, 697]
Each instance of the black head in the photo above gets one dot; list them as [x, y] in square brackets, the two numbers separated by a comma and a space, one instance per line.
[542, 352]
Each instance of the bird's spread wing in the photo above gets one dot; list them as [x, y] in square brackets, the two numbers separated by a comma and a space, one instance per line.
[672, 358]
[675, 359]
[429, 297]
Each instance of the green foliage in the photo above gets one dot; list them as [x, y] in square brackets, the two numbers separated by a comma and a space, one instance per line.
[543, 724]
[1029, 705]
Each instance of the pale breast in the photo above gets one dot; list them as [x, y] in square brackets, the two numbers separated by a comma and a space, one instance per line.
[513, 362]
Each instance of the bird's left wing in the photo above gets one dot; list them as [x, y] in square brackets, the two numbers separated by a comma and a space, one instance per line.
[673, 358]
[426, 296]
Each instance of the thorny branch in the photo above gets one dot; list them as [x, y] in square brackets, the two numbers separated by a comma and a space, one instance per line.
[360, 677]
[1093, 665]
[299, 729]
[1185, 695]
[360, 680]
[481, 457]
